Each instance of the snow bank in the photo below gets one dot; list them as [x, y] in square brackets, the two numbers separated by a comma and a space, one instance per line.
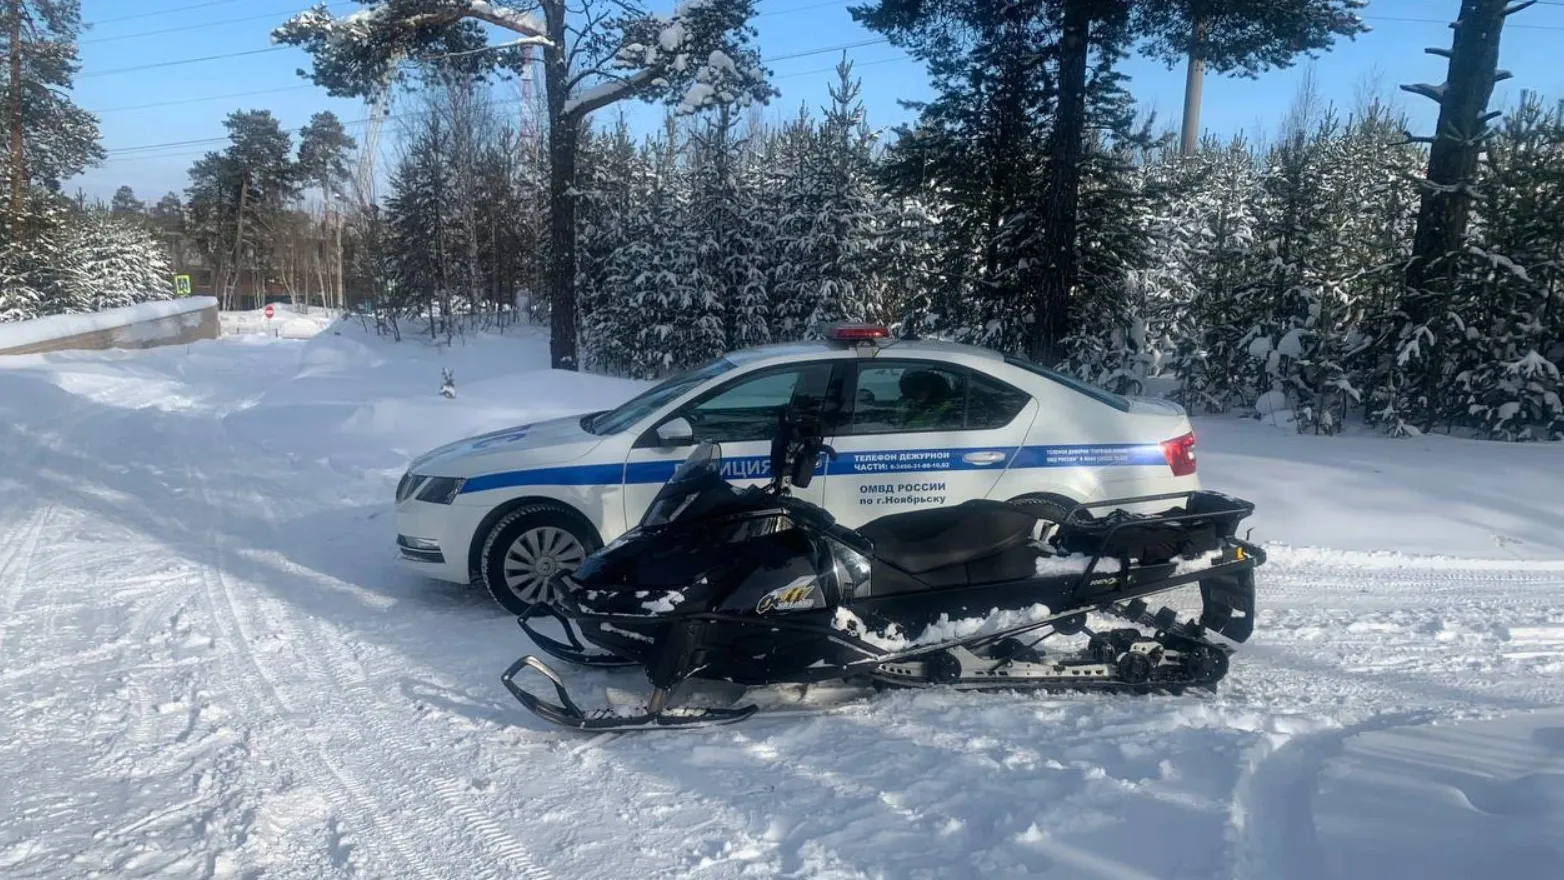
[22, 334]
[1467, 797]
[287, 321]
[352, 387]
[1424, 496]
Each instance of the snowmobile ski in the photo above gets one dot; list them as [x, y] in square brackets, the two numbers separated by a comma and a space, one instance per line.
[756, 587]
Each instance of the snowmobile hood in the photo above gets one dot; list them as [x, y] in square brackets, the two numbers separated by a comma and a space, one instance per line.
[533, 444]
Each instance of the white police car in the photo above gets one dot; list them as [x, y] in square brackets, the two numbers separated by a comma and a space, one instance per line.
[916, 424]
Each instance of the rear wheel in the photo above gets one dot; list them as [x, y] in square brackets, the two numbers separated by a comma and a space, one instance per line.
[527, 549]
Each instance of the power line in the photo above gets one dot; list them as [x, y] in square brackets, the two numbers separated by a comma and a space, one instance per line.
[787, 57]
[150, 151]
[1507, 25]
[92, 73]
[158, 12]
[202, 100]
[195, 27]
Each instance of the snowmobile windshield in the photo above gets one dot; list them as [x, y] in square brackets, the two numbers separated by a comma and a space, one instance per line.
[699, 474]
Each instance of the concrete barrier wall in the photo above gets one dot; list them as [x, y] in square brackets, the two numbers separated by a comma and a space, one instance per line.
[169, 322]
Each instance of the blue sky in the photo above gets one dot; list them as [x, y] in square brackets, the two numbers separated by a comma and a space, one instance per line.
[134, 33]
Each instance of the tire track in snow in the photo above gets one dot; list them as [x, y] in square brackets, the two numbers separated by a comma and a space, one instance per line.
[1271, 819]
[15, 565]
[323, 651]
[324, 659]
[349, 797]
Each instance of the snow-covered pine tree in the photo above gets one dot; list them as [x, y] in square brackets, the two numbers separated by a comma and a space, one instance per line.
[1294, 240]
[236, 196]
[1512, 293]
[47, 137]
[727, 232]
[595, 53]
[115, 262]
[1205, 229]
[613, 180]
[680, 300]
[978, 147]
[422, 225]
[831, 231]
[20, 298]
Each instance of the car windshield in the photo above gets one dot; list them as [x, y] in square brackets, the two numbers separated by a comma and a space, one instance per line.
[697, 473]
[640, 406]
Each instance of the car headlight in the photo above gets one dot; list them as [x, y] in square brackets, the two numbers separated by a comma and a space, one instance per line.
[435, 490]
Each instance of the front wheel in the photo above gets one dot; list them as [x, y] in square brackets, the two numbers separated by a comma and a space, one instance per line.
[527, 548]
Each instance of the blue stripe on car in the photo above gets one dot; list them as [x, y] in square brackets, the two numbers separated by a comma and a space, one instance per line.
[897, 461]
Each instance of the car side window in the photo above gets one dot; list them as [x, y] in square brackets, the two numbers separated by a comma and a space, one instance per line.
[746, 408]
[991, 403]
[908, 396]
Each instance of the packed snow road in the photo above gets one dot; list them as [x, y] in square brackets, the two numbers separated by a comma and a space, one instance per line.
[209, 666]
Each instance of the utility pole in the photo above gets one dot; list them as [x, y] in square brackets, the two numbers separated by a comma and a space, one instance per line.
[18, 159]
[1194, 83]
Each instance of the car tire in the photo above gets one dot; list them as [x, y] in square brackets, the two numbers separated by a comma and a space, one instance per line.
[527, 547]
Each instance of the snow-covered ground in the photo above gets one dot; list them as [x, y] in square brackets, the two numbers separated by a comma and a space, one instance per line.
[287, 321]
[209, 666]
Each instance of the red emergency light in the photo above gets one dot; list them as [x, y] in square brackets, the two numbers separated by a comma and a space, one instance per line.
[856, 332]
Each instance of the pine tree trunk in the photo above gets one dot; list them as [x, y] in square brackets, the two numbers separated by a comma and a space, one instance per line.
[238, 267]
[1452, 159]
[18, 160]
[1061, 198]
[560, 274]
[1446, 205]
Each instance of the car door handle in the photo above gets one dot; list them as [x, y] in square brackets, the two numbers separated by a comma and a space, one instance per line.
[983, 457]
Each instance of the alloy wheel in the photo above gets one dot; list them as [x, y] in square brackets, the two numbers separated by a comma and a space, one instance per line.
[536, 556]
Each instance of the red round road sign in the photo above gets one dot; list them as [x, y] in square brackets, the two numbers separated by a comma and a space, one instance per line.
[268, 310]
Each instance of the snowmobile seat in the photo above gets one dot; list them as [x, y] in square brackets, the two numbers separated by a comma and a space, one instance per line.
[925, 541]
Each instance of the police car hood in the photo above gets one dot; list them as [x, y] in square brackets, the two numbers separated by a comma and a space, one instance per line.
[530, 445]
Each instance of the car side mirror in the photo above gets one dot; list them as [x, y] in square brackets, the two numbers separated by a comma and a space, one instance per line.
[676, 432]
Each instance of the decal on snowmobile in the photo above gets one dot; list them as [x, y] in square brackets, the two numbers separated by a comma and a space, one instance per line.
[802, 593]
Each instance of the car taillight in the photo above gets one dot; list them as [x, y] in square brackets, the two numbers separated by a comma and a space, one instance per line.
[1180, 453]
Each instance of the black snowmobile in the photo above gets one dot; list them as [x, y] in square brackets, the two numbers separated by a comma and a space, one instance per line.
[757, 587]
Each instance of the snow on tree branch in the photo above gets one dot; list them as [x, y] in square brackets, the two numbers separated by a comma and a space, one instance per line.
[355, 54]
[698, 57]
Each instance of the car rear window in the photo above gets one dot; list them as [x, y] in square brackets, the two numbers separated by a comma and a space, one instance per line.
[1100, 395]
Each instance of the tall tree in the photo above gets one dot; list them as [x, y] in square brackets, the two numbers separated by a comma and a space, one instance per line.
[1236, 36]
[325, 149]
[1455, 147]
[236, 195]
[125, 204]
[48, 138]
[595, 54]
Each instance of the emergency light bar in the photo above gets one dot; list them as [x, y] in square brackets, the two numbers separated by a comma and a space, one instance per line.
[856, 332]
